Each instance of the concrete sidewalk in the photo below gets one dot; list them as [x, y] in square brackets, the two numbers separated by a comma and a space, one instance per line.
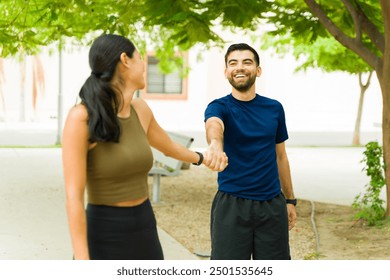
[328, 174]
[33, 223]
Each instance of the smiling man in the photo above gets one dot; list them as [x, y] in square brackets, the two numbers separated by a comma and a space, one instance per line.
[254, 207]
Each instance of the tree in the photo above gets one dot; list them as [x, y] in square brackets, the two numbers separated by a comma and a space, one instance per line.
[37, 86]
[2, 81]
[363, 88]
[362, 26]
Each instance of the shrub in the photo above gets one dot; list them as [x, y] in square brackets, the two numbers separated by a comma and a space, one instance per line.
[369, 204]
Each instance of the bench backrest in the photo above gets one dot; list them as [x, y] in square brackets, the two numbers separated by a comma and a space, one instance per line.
[169, 162]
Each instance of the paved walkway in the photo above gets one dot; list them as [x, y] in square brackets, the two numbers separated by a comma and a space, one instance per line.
[330, 175]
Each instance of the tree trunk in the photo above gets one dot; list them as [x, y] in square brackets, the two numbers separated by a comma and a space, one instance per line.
[2, 81]
[383, 71]
[38, 80]
[22, 107]
[384, 80]
[60, 99]
[385, 85]
[363, 89]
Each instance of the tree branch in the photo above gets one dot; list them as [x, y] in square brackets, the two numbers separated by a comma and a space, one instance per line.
[371, 30]
[367, 84]
[356, 19]
[350, 43]
[362, 23]
[385, 4]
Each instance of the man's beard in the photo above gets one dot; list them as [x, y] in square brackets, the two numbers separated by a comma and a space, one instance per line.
[242, 86]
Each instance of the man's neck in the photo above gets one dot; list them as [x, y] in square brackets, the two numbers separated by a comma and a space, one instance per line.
[244, 96]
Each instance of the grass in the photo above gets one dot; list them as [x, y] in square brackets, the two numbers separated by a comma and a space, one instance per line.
[30, 147]
[313, 256]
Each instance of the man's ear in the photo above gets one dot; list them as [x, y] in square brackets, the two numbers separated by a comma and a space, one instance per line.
[259, 71]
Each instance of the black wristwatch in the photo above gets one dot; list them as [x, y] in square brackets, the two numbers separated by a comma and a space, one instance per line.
[200, 159]
[292, 201]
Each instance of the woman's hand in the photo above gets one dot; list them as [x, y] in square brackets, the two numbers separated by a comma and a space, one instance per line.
[215, 158]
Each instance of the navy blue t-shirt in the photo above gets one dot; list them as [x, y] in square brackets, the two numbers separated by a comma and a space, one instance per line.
[252, 130]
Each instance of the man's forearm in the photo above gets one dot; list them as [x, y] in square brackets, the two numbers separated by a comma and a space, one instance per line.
[285, 179]
[215, 157]
[214, 131]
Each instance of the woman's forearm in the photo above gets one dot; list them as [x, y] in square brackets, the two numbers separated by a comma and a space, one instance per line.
[78, 229]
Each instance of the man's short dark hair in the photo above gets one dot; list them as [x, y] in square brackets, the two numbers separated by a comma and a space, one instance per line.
[242, 47]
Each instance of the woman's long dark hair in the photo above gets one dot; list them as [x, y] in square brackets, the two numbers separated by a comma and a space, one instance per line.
[97, 94]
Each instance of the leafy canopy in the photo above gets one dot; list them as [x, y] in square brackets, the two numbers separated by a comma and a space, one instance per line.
[297, 31]
[177, 25]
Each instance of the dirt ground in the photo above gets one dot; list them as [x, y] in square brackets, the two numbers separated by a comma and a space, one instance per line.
[323, 231]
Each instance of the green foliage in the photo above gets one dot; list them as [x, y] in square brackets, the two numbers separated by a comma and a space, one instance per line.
[329, 55]
[243, 14]
[369, 204]
[169, 26]
[324, 53]
[298, 32]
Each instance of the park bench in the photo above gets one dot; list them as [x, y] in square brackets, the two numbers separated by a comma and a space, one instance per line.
[166, 166]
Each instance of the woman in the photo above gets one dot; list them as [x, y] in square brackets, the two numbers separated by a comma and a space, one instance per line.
[106, 149]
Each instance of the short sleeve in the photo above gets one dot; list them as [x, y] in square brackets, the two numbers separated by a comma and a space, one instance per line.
[281, 134]
[215, 108]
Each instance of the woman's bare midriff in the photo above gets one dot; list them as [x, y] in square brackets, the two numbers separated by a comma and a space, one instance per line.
[129, 203]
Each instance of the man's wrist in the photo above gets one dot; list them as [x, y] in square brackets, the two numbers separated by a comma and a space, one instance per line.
[292, 201]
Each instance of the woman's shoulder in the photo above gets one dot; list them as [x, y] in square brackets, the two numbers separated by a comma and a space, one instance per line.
[140, 106]
[136, 102]
[76, 127]
[78, 112]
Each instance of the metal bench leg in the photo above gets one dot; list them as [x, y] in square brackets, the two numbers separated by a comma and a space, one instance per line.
[156, 188]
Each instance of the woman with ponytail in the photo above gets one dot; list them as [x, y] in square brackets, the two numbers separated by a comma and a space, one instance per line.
[106, 151]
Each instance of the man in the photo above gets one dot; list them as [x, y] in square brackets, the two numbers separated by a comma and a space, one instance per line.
[254, 208]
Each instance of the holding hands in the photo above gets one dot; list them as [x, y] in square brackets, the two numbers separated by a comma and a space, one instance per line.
[214, 157]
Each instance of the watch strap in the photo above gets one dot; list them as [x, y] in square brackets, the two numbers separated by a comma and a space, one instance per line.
[200, 159]
[291, 201]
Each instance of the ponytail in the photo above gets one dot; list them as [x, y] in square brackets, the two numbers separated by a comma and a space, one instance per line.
[102, 105]
[97, 93]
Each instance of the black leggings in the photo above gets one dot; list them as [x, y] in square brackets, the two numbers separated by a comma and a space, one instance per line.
[123, 233]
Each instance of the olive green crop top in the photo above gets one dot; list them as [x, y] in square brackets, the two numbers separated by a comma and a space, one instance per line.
[118, 172]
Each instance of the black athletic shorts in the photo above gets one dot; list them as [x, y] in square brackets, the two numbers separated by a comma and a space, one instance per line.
[243, 229]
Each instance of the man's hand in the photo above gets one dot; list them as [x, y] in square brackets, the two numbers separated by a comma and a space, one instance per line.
[292, 216]
[214, 157]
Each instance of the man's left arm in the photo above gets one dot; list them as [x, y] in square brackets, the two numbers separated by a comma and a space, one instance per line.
[286, 181]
